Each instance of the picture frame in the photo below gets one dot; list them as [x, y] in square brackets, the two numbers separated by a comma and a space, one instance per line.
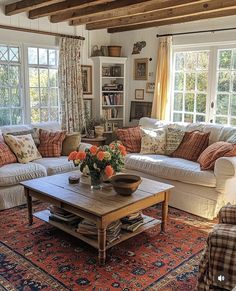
[88, 108]
[150, 87]
[139, 94]
[87, 83]
[140, 109]
[141, 69]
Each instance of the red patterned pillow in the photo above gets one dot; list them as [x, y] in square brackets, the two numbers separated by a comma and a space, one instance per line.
[130, 138]
[51, 143]
[192, 145]
[6, 155]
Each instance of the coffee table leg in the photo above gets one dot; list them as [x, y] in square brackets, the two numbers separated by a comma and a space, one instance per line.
[164, 212]
[102, 246]
[29, 205]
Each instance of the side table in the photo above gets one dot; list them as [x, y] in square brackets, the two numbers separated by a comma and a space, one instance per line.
[98, 141]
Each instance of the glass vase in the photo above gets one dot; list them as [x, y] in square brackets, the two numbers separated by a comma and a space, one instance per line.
[96, 180]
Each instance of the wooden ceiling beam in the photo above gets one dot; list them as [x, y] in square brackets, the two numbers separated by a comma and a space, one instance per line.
[27, 5]
[188, 10]
[62, 7]
[148, 6]
[95, 9]
[183, 19]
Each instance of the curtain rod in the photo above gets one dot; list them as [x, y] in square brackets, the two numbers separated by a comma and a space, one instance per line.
[196, 32]
[40, 31]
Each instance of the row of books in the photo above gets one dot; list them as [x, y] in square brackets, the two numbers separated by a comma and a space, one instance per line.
[112, 99]
[110, 113]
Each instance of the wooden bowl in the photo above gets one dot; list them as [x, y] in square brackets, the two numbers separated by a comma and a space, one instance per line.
[125, 184]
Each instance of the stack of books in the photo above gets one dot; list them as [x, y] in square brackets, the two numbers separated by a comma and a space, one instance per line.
[132, 222]
[58, 214]
[88, 228]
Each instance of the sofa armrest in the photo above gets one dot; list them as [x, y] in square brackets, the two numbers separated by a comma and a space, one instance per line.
[227, 214]
[83, 146]
[225, 167]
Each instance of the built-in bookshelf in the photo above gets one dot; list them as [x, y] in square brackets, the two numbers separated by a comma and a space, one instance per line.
[110, 91]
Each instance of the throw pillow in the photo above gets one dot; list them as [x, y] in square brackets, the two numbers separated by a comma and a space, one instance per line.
[70, 143]
[192, 145]
[174, 136]
[216, 150]
[232, 139]
[153, 141]
[51, 143]
[23, 147]
[6, 155]
[130, 138]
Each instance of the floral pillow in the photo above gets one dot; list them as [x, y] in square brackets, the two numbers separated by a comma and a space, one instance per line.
[174, 137]
[153, 141]
[23, 147]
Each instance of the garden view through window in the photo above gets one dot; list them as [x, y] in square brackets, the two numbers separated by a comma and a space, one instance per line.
[200, 92]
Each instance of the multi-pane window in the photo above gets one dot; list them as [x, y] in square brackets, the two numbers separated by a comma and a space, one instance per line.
[190, 86]
[11, 107]
[225, 103]
[43, 84]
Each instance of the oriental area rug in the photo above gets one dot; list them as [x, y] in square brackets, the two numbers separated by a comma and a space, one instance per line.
[41, 257]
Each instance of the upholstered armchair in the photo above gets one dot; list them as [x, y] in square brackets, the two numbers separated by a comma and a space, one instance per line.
[218, 264]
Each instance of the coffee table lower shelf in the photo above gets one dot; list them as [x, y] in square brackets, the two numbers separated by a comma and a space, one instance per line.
[149, 222]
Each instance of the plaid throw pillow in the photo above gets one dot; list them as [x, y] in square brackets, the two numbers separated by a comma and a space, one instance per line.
[6, 155]
[51, 143]
[130, 138]
[192, 145]
[216, 150]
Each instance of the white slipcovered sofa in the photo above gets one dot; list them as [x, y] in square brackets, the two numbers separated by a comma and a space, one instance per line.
[199, 192]
[11, 192]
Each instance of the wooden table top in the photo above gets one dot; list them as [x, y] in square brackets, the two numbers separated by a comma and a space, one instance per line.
[98, 202]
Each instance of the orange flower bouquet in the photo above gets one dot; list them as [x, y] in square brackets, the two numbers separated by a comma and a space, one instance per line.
[99, 161]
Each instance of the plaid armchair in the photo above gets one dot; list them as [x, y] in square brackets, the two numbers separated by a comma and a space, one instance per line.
[217, 268]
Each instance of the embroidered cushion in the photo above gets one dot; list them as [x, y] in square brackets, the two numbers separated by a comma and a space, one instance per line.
[174, 136]
[6, 155]
[130, 138]
[51, 143]
[192, 145]
[216, 150]
[70, 143]
[153, 141]
[23, 147]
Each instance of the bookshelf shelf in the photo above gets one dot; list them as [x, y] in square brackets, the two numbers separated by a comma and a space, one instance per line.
[149, 222]
[110, 91]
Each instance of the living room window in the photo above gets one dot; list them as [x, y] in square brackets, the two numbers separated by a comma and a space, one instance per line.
[11, 103]
[204, 85]
[43, 84]
[190, 86]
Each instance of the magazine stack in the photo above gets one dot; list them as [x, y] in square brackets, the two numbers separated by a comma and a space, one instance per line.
[132, 222]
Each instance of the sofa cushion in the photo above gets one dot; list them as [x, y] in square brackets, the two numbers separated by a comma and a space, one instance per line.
[192, 145]
[13, 174]
[170, 168]
[70, 143]
[174, 137]
[153, 141]
[56, 165]
[51, 143]
[130, 138]
[23, 147]
[6, 155]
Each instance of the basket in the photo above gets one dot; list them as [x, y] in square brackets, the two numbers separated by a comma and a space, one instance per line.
[114, 51]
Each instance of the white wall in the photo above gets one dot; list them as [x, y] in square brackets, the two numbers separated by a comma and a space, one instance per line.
[127, 40]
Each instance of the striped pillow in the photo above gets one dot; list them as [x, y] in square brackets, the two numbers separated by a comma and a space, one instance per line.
[192, 145]
[6, 155]
[130, 138]
[51, 143]
[215, 151]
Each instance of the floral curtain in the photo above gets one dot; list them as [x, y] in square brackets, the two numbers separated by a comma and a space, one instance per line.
[162, 83]
[70, 85]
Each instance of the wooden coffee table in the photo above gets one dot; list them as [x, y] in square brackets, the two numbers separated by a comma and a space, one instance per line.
[100, 206]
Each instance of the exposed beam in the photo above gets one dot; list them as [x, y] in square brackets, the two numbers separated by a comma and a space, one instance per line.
[94, 9]
[26, 5]
[66, 6]
[173, 21]
[148, 6]
[188, 10]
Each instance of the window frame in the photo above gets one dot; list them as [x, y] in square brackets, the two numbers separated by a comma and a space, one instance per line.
[212, 74]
